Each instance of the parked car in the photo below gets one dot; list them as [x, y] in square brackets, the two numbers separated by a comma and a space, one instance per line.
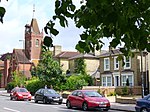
[143, 104]
[18, 93]
[47, 96]
[87, 99]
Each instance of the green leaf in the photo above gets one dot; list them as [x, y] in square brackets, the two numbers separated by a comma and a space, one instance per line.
[45, 29]
[54, 31]
[57, 3]
[82, 44]
[72, 7]
[2, 13]
[148, 47]
[84, 36]
[48, 41]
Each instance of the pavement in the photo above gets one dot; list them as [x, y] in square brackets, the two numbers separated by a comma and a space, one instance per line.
[114, 105]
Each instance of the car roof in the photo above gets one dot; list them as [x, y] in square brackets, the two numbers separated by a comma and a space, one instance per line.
[84, 90]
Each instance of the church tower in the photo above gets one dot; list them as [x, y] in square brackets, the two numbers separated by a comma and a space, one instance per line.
[33, 41]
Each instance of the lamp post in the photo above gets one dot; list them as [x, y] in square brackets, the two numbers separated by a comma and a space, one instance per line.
[142, 75]
[23, 55]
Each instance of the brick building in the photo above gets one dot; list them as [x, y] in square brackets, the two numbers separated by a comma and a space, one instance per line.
[23, 59]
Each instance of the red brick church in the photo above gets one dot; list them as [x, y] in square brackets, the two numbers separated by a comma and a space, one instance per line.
[22, 59]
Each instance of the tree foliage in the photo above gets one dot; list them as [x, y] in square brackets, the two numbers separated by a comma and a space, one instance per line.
[81, 71]
[80, 66]
[18, 78]
[74, 82]
[49, 70]
[125, 21]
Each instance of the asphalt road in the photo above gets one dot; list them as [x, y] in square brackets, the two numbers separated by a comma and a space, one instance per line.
[6, 105]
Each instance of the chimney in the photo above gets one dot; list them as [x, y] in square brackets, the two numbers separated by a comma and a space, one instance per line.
[56, 50]
[111, 48]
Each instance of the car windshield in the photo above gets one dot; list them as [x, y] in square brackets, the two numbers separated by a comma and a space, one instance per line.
[92, 94]
[21, 90]
[50, 91]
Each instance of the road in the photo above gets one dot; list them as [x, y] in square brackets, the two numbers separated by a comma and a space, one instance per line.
[6, 105]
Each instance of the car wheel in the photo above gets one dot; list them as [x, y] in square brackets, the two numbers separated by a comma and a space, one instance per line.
[44, 100]
[85, 106]
[68, 104]
[15, 98]
[60, 103]
[11, 98]
[105, 109]
[35, 100]
[144, 110]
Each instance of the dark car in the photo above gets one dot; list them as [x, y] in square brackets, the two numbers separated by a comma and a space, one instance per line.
[143, 104]
[20, 94]
[87, 99]
[48, 96]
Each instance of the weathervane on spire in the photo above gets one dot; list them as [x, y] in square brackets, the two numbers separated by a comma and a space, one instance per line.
[33, 10]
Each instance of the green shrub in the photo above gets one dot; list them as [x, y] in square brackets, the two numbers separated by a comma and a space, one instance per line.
[99, 91]
[10, 86]
[125, 91]
[112, 94]
[34, 84]
[74, 82]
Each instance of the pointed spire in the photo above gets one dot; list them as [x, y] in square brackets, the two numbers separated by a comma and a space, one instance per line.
[33, 10]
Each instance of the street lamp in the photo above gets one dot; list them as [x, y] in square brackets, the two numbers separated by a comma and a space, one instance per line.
[142, 75]
[23, 55]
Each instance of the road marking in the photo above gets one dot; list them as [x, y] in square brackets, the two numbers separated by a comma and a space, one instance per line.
[9, 109]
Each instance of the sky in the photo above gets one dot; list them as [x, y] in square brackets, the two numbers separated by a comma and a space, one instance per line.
[20, 12]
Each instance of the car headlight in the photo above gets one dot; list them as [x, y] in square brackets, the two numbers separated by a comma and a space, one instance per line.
[94, 102]
[50, 97]
[29, 95]
[61, 97]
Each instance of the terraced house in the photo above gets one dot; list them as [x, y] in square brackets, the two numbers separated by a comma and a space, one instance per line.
[135, 70]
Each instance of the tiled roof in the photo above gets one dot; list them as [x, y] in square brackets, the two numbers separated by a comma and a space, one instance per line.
[21, 57]
[34, 26]
[83, 56]
[5, 56]
[66, 54]
[111, 53]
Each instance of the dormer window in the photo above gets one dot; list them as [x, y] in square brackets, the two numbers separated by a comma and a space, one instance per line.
[37, 43]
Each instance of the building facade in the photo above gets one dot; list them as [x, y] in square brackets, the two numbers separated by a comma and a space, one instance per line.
[115, 72]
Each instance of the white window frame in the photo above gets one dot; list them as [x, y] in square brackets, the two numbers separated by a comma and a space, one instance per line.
[37, 42]
[127, 76]
[114, 75]
[127, 62]
[116, 63]
[106, 83]
[105, 64]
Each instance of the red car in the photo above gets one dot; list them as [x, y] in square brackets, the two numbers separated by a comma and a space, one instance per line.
[87, 99]
[20, 94]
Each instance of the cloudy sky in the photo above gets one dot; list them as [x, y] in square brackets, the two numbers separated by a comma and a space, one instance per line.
[20, 12]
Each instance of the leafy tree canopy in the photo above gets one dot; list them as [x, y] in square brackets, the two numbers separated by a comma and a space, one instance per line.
[49, 70]
[125, 21]
[80, 66]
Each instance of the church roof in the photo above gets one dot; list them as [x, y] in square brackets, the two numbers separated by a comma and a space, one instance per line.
[34, 26]
[6, 56]
[21, 57]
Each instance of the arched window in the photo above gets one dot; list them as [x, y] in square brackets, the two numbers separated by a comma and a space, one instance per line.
[37, 43]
